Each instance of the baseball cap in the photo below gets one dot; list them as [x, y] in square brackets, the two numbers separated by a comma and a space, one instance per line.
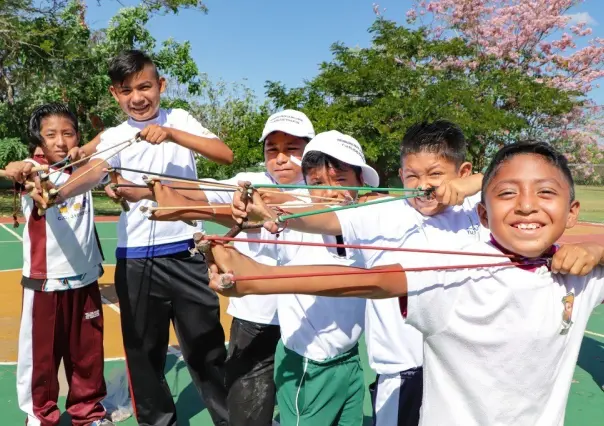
[289, 121]
[346, 149]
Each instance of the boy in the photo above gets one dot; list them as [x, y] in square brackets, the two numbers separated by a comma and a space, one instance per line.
[157, 280]
[506, 324]
[432, 155]
[318, 356]
[62, 316]
[255, 327]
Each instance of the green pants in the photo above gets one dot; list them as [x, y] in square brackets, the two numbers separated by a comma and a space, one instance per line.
[327, 393]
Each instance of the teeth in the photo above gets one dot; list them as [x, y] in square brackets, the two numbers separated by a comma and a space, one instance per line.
[528, 226]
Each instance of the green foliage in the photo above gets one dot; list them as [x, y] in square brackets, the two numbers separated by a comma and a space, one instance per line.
[231, 112]
[48, 53]
[11, 149]
[376, 93]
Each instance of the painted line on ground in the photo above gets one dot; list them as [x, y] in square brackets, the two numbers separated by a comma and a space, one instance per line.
[171, 350]
[20, 242]
[11, 232]
[591, 333]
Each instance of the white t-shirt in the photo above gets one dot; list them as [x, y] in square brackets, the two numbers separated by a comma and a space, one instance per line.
[60, 247]
[500, 346]
[139, 237]
[260, 309]
[392, 345]
[317, 327]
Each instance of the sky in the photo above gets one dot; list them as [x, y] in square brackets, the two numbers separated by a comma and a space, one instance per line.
[252, 41]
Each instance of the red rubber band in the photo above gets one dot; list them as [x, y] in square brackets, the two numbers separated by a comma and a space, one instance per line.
[358, 246]
[370, 271]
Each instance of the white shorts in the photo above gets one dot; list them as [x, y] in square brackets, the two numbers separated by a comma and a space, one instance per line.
[397, 398]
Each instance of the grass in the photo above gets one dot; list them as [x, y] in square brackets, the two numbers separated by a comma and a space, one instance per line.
[591, 197]
[592, 203]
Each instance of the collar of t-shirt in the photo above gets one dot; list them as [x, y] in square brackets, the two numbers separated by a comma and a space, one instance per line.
[142, 124]
[526, 263]
[40, 159]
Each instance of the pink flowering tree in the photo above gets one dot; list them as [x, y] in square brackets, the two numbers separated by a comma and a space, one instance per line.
[541, 40]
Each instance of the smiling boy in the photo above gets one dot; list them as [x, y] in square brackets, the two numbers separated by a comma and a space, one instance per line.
[255, 328]
[432, 155]
[157, 280]
[498, 347]
[318, 374]
[62, 316]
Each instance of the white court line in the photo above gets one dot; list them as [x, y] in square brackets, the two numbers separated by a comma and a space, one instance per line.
[591, 333]
[171, 350]
[20, 239]
[13, 241]
[11, 231]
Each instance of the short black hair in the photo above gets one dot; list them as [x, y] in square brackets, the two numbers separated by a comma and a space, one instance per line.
[127, 63]
[318, 160]
[306, 140]
[42, 112]
[543, 149]
[440, 137]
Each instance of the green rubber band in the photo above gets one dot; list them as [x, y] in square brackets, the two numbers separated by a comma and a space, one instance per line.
[343, 188]
[284, 218]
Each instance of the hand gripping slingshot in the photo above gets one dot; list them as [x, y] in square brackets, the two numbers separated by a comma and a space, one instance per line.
[203, 246]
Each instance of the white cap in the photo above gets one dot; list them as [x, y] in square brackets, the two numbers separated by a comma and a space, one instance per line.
[346, 149]
[290, 121]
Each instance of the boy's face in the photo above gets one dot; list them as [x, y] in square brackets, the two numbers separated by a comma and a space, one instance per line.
[139, 94]
[279, 147]
[330, 176]
[425, 170]
[527, 205]
[59, 136]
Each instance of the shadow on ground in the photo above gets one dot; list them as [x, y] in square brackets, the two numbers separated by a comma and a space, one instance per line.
[591, 359]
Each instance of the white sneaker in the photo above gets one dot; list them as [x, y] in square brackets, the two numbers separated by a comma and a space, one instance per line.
[102, 422]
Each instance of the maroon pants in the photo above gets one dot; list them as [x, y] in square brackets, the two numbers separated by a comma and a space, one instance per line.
[65, 325]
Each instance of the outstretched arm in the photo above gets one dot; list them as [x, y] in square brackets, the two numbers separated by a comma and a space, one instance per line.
[377, 285]
[167, 197]
[256, 209]
[83, 179]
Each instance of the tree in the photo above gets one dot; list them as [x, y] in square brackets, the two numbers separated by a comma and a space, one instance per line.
[376, 93]
[538, 39]
[233, 114]
[48, 53]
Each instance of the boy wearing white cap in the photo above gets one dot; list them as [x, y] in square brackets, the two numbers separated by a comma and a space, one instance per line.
[318, 374]
[432, 155]
[255, 327]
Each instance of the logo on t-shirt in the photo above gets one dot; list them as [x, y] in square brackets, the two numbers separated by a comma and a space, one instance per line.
[473, 229]
[567, 312]
[67, 210]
